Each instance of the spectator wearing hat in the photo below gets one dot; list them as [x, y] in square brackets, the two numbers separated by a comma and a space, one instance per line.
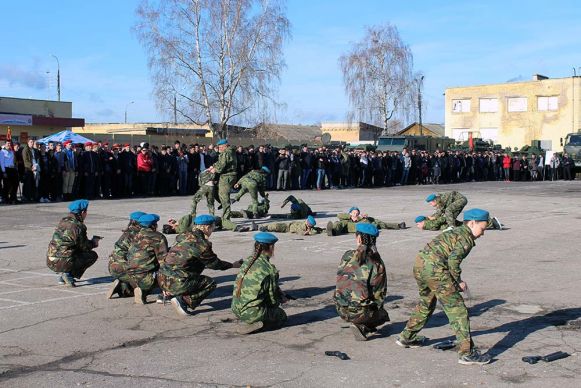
[180, 274]
[438, 275]
[257, 296]
[144, 256]
[362, 285]
[118, 258]
[70, 253]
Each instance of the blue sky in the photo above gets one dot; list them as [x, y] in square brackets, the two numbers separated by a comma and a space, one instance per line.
[454, 43]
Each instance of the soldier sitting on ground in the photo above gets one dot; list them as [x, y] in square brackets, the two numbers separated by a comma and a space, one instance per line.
[118, 258]
[348, 221]
[70, 252]
[146, 252]
[362, 285]
[180, 274]
[257, 297]
[438, 275]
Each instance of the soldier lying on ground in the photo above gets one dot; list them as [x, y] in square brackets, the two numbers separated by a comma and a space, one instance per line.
[348, 221]
[257, 297]
[303, 227]
[299, 209]
[180, 274]
[438, 275]
[362, 285]
[253, 212]
[423, 223]
[70, 252]
[118, 258]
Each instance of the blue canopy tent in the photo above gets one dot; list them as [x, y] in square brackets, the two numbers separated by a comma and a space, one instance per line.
[63, 136]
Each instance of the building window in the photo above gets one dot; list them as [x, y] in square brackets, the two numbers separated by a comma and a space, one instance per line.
[517, 104]
[461, 106]
[488, 105]
[548, 103]
[461, 134]
[489, 134]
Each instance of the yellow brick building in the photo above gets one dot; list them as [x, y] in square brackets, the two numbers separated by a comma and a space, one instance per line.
[351, 132]
[514, 114]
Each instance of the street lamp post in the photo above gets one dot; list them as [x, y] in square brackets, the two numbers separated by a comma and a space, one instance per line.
[58, 77]
[126, 106]
[420, 103]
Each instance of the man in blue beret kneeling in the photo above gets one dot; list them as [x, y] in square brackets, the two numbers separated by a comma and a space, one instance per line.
[438, 275]
[70, 252]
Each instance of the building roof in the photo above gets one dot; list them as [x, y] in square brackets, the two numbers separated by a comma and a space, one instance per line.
[436, 129]
[289, 131]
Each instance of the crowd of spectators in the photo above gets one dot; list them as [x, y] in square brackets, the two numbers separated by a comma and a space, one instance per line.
[49, 172]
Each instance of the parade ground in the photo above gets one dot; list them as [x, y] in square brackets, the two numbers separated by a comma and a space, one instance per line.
[523, 281]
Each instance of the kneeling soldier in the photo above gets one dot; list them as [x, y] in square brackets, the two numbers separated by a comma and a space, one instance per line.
[70, 252]
[437, 272]
[180, 274]
[362, 285]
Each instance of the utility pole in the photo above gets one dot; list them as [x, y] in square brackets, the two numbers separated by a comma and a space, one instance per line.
[420, 103]
[126, 106]
[58, 77]
[175, 110]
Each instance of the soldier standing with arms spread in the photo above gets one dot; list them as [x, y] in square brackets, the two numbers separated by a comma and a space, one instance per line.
[227, 167]
[362, 285]
[180, 275]
[70, 252]
[257, 296]
[118, 258]
[438, 274]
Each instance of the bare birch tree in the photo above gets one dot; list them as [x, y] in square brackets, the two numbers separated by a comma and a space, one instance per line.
[219, 59]
[378, 78]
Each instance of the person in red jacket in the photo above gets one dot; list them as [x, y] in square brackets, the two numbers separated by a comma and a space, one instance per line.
[506, 167]
[144, 166]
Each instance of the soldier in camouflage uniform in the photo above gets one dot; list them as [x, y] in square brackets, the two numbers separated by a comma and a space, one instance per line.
[257, 297]
[423, 223]
[227, 167]
[146, 252]
[253, 183]
[362, 285]
[70, 252]
[180, 274]
[438, 274]
[118, 258]
[260, 211]
[207, 182]
[448, 208]
[299, 209]
[348, 221]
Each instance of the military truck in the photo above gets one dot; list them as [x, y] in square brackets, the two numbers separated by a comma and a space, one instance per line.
[425, 143]
[572, 146]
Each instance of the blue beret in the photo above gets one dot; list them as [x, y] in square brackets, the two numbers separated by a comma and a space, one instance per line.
[78, 206]
[222, 142]
[295, 207]
[205, 219]
[265, 169]
[476, 215]
[367, 228]
[311, 220]
[265, 238]
[354, 208]
[135, 215]
[430, 197]
[148, 219]
[420, 219]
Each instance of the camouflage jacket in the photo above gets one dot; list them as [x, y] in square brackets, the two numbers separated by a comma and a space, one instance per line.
[300, 227]
[446, 201]
[146, 252]
[347, 217]
[360, 285]
[447, 250]
[254, 177]
[259, 286]
[190, 255]
[69, 238]
[122, 245]
[304, 210]
[205, 177]
[227, 163]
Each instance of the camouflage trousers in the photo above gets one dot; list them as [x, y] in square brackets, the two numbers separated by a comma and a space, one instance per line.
[364, 316]
[439, 286]
[193, 290]
[117, 269]
[272, 317]
[345, 226]
[441, 224]
[280, 227]
[76, 265]
[207, 192]
[224, 186]
[145, 281]
[251, 188]
[453, 210]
